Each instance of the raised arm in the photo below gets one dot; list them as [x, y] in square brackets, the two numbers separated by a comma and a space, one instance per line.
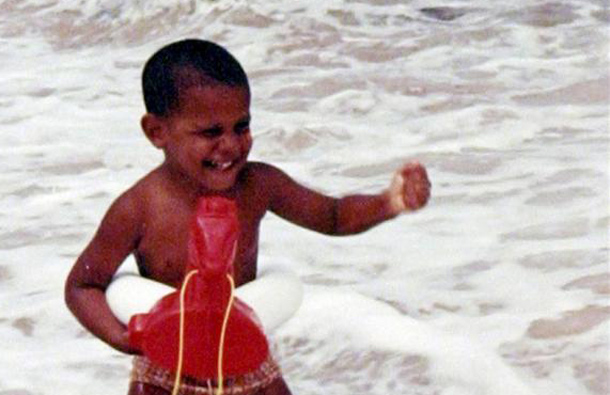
[409, 191]
[85, 287]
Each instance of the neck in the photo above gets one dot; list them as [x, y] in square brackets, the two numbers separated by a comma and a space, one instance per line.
[190, 189]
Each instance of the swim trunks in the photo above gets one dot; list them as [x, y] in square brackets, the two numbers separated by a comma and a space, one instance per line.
[144, 371]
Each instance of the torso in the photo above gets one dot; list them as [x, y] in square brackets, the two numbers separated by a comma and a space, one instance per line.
[161, 252]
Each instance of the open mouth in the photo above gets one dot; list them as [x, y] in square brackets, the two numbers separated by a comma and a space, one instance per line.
[218, 165]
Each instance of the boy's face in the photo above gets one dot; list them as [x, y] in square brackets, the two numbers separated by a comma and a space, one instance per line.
[207, 138]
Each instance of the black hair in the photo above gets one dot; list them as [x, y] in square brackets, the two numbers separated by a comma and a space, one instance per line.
[171, 69]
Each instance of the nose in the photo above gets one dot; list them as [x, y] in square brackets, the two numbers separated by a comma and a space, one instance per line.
[228, 143]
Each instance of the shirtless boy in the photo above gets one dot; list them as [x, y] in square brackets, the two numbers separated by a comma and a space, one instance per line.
[197, 100]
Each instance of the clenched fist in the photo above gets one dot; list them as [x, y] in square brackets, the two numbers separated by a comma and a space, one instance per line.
[410, 188]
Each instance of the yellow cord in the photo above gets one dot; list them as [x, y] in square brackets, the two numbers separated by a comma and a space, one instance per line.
[222, 334]
[181, 333]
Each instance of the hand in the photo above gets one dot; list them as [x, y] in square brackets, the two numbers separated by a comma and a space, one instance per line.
[410, 188]
[123, 345]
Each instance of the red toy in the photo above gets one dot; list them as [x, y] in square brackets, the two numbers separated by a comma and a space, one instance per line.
[207, 293]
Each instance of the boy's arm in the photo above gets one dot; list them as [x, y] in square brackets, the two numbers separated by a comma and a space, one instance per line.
[409, 191]
[85, 287]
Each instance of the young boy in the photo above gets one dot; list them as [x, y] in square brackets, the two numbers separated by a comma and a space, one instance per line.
[197, 100]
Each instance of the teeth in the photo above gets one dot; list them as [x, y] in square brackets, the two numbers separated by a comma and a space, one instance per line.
[222, 165]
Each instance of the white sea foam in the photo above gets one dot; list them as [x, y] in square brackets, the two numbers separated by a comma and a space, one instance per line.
[499, 287]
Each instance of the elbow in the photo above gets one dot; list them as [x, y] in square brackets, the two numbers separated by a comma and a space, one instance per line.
[340, 224]
[341, 229]
[335, 229]
[74, 291]
[70, 293]
[345, 231]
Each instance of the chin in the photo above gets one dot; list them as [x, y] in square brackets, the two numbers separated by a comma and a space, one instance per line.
[219, 185]
[214, 180]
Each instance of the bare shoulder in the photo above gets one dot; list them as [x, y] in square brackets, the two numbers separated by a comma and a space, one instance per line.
[129, 210]
[264, 174]
[131, 201]
[123, 216]
[262, 168]
[265, 180]
[289, 198]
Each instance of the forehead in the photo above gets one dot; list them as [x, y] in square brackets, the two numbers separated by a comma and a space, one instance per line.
[213, 101]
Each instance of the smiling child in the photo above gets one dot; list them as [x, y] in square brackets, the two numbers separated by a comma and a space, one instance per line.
[197, 99]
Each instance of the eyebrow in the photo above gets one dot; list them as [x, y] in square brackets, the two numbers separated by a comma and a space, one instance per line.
[246, 119]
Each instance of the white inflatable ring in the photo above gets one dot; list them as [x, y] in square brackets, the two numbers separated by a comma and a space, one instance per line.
[275, 295]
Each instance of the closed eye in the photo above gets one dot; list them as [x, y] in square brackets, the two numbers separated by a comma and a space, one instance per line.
[212, 132]
[243, 127]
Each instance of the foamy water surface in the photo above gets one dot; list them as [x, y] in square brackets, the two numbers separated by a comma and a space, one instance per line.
[499, 287]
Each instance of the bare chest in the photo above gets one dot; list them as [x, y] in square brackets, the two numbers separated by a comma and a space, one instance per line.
[162, 253]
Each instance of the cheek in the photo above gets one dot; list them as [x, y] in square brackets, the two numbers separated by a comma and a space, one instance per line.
[247, 143]
[199, 147]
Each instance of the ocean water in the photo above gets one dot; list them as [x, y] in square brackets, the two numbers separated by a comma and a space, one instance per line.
[499, 287]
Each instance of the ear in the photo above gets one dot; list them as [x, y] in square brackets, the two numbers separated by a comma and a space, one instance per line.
[155, 128]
